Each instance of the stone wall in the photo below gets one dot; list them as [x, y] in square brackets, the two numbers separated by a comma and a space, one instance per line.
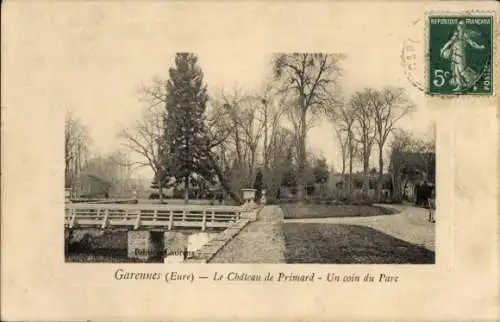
[144, 244]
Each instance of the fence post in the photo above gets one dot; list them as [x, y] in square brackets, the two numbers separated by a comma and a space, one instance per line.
[73, 218]
[171, 220]
[213, 217]
[97, 217]
[105, 219]
[138, 220]
[204, 221]
[183, 215]
[155, 216]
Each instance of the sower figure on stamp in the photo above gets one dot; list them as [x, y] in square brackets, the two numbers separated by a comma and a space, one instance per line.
[463, 76]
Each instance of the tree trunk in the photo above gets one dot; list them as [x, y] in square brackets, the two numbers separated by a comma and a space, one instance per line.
[343, 168]
[160, 187]
[302, 157]
[238, 148]
[343, 178]
[266, 150]
[366, 169]
[349, 183]
[253, 152]
[381, 172]
[186, 189]
[227, 187]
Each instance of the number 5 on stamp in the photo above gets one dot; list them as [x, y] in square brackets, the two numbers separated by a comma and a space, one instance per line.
[460, 55]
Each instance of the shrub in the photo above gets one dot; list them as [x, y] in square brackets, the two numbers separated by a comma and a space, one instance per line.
[310, 189]
[272, 201]
[156, 195]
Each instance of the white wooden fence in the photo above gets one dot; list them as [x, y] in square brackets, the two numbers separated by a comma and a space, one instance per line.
[150, 216]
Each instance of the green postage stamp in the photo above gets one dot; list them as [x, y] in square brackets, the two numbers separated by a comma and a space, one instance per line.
[460, 52]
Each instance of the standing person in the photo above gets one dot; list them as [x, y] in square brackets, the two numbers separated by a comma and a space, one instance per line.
[431, 201]
[425, 193]
[417, 190]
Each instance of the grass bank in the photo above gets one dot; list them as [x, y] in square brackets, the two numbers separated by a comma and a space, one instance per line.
[296, 211]
[348, 244]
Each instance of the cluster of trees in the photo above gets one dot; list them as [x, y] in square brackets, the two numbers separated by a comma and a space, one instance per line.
[175, 137]
[316, 172]
[76, 149]
[230, 137]
[234, 135]
[412, 159]
[233, 138]
[111, 172]
[365, 121]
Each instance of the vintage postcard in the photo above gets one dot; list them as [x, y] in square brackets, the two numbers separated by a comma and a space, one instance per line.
[260, 161]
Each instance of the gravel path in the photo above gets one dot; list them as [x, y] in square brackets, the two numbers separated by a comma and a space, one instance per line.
[410, 225]
[260, 241]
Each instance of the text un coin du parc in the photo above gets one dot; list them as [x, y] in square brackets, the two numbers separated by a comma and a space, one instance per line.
[281, 277]
[308, 277]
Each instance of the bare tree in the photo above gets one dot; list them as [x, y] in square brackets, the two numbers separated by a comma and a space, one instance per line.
[342, 116]
[219, 150]
[145, 138]
[248, 124]
[311, 77]
[364, 104]
[231, 131]
[219, 131]
[76, 149]
[154, 95]
[293, 115]
[270, 102]
[342, 137]
[390, 105]
[242, 116]
[252, 125]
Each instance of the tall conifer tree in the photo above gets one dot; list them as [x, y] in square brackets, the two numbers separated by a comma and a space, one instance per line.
[186, 131]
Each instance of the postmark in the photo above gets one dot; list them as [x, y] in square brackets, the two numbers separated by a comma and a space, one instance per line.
[413, 54]
[460, 54]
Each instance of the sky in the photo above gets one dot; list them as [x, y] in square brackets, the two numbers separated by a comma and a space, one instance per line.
[102, 53]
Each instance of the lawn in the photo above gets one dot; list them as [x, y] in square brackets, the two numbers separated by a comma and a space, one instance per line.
[296, 211]
[348, 244]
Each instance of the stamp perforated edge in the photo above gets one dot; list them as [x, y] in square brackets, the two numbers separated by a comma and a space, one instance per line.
[494, 63]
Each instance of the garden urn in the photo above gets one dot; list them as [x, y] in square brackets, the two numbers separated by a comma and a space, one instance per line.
[248, 196]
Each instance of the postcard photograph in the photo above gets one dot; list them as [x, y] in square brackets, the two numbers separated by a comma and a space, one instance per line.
[285, 165]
